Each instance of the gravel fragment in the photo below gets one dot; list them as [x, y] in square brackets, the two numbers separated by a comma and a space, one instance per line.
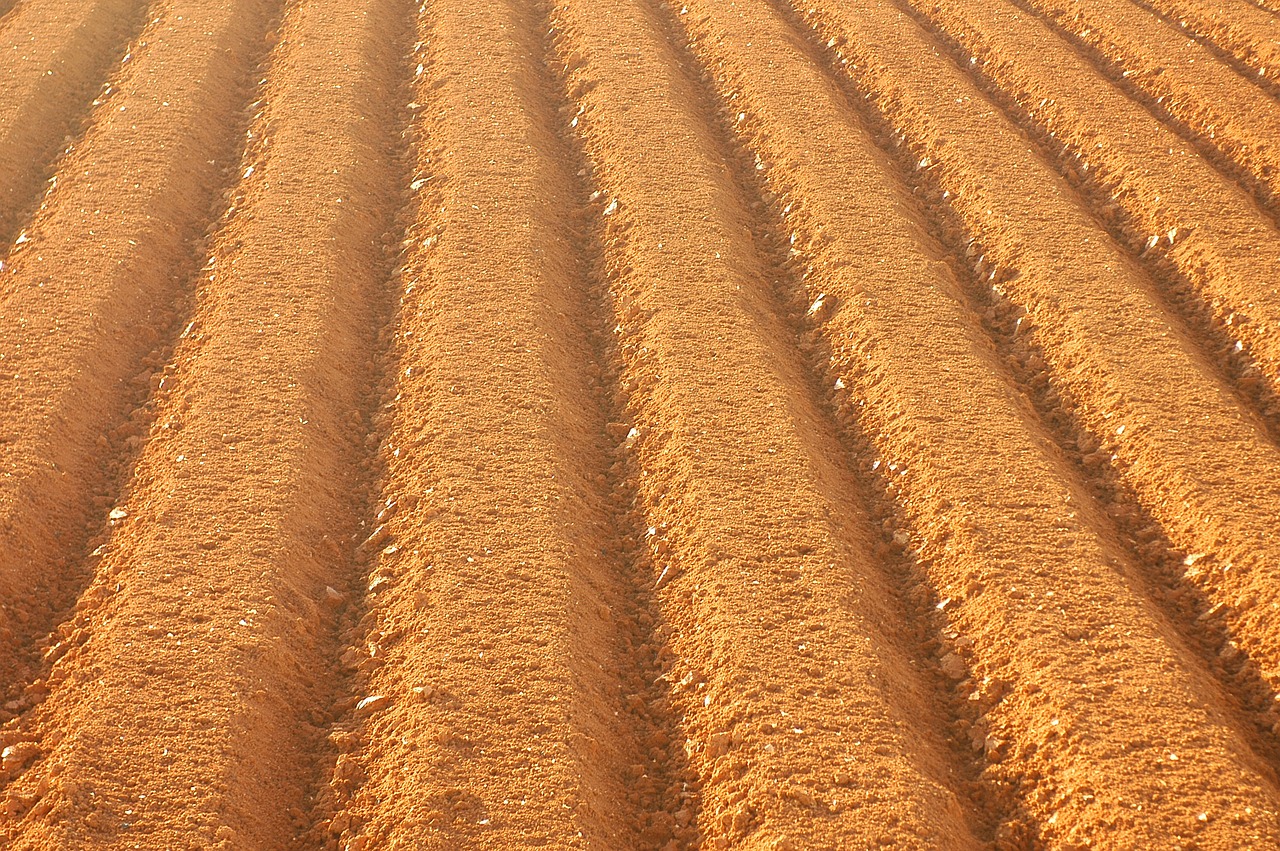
[953, 666]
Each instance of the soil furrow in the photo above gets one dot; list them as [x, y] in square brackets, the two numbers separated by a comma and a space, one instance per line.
[90, 304]
[530, 715]
[1164, 567]
[7, 9]
[919, 416]
[739, 474]
[52, 60]
[707, 49]
[1180, 77]
[327, 770]
[1239, 32]
[1089, 316]
[1214, 254]
[639, 424]
[1208, 148]
[208, 617]
[1149, 546]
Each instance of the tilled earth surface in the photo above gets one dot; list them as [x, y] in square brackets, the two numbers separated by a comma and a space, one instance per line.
[639, 424]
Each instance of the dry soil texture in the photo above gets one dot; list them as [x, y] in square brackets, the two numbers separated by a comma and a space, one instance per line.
[616, 424]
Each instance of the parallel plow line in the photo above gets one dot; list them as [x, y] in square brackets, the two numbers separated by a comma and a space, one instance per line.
[1033, 381]
[329, 781]
[1238, 32]
[790, 554]
[1097, 369]
[52, 59]
[78, 408]
[219, 588]
[1210, 150]
[1186, 606]
[668, 809]
[1215, 277]
[925, 628]
[646, 424]
[1119, 509]
[591, 701]
[1226, 112]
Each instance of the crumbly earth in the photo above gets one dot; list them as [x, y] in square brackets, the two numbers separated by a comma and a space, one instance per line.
[656, 424]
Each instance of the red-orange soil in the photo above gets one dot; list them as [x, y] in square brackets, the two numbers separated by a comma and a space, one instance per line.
[655, 424]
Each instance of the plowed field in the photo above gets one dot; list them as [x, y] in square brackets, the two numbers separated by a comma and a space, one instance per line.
[655, 424]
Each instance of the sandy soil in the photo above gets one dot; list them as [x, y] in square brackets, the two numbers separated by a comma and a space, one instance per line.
[639, 424]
